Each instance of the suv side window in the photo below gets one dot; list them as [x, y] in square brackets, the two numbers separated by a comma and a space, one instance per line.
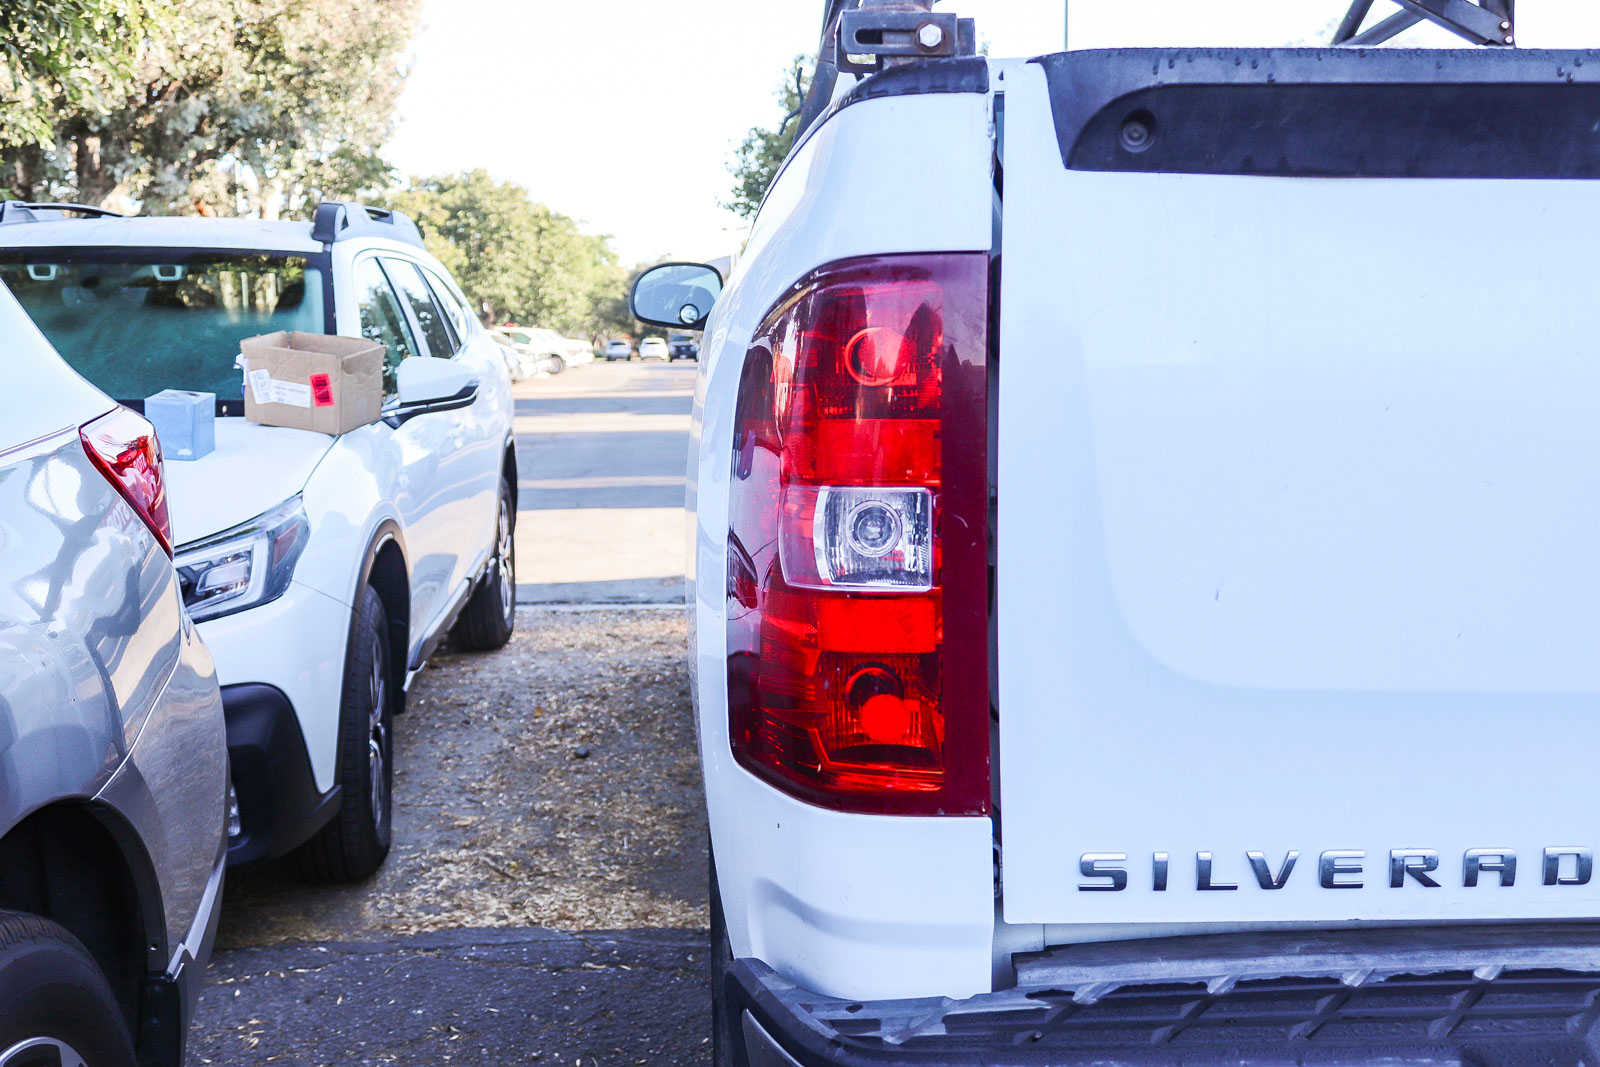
[382, 320]
[446, 296]
[408, 279]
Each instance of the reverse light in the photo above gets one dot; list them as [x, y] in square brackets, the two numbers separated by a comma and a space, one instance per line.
[124, 447]
[857, 543]
[243, 567]
[860, 538]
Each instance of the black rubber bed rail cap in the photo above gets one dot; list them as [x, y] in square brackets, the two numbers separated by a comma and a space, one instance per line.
[1329, 112]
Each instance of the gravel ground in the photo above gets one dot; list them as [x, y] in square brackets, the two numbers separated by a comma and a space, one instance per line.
[546, 896]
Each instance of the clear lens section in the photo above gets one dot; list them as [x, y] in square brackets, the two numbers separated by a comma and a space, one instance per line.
[244, 567]
[872, 538]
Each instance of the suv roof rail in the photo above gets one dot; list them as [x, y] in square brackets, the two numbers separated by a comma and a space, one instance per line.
[339, 220]
[14, 211]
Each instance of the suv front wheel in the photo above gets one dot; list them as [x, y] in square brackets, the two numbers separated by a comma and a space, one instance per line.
[354, 844]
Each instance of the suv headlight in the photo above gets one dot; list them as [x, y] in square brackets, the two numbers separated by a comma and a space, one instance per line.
[244, 567]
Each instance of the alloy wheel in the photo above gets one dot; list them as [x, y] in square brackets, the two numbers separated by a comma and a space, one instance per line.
[505, 563]
[41, 1052]
[377, 742]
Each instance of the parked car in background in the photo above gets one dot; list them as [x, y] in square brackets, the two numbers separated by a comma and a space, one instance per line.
[517, 369]
[321, 570]
[545, 350]
[578, 351]
[618, 350]
[683, 346]
[1153, 642]
[538, 350]
[113, 758]
[654, 348]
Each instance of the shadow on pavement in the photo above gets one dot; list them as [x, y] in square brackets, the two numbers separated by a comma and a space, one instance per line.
[490, 996]
[619, 591]
[590, 405]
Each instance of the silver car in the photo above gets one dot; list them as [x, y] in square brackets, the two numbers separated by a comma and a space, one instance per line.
[113, 759]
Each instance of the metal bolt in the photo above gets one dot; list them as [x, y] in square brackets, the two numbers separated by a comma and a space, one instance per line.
[1510, 39]
[1505, 25]
[1136, 134]
[930, 36]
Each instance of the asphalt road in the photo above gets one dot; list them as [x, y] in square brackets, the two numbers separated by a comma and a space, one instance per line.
[545, 900]
[601, 454]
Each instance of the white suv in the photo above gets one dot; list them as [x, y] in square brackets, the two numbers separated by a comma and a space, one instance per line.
[321, 570]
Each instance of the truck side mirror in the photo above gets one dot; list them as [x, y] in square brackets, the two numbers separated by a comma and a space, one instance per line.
[676, 295]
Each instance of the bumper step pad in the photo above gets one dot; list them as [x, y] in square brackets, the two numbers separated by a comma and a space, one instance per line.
[1473, 995]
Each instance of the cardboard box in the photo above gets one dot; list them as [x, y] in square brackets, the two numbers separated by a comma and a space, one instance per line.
[312, 381]
[185, 422]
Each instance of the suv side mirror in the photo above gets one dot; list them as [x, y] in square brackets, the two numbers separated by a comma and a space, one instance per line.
[676, 295]
[427, 385]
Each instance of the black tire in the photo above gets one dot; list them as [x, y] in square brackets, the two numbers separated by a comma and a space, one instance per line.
[491, 614]
[557, 364]
[355, 843]
[52, 992]
[724, 1040]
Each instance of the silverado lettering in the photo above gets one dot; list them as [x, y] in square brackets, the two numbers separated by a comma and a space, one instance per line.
[1344, 869]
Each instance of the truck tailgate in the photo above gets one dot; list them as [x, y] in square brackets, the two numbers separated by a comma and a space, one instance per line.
[1298, 473]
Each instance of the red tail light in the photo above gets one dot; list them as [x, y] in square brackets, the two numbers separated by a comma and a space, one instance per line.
[124, 446]
[858, 660]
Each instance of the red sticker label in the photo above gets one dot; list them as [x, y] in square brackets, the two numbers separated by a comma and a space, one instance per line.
[322, 390]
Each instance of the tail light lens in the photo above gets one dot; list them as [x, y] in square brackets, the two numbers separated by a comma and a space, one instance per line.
[857, 545]
[124, 446]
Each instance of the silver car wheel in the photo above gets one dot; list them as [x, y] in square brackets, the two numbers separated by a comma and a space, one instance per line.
[505, 564]
[377, 745]
[41, 1052]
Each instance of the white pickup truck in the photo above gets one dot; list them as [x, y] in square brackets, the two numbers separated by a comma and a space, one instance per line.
[1146, 557]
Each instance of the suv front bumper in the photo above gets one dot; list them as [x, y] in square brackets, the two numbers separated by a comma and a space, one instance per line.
[280, 806]
[281, 665]
[1480, 995]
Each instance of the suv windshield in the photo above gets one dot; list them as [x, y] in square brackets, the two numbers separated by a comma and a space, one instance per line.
[137, 322]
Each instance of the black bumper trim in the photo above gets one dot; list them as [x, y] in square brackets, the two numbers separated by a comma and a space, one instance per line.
[1537, 1002]
[279, 805]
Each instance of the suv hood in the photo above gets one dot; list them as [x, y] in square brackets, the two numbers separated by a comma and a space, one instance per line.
[253, 469]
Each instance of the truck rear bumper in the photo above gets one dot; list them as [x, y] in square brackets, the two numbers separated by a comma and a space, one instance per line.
[1476, 995]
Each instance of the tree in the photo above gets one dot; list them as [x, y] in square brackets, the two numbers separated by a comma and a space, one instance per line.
[61, 51]
[515, 258]
[763, 151]
[257, 106]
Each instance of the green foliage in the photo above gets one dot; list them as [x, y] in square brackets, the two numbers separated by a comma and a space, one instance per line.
[55, 52]
[227, 106]
[763, 151]
[264, 107]
[515, 258]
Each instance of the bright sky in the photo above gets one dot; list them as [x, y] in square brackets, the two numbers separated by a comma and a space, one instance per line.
[625, 113]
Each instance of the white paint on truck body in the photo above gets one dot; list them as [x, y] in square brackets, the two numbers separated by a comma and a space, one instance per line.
[850, 905]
